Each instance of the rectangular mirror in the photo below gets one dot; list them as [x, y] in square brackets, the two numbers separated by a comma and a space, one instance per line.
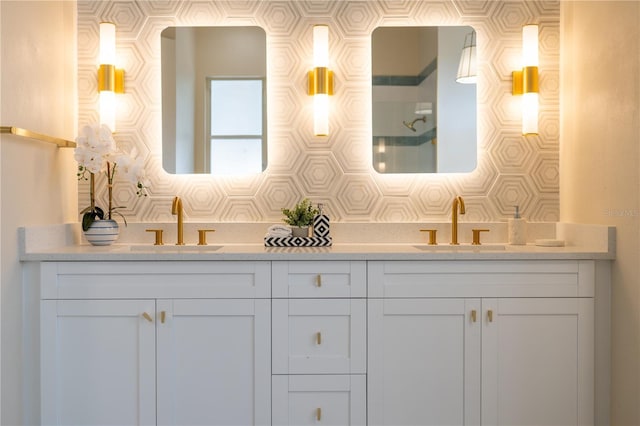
[214, 114]
[424, 121]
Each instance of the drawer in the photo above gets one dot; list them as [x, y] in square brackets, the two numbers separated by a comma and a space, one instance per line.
[305, 279]
[319, 336]
[155, 280]
[486, 278]
[318, 400]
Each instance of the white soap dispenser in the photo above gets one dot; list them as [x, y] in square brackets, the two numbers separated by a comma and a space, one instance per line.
[517, 229]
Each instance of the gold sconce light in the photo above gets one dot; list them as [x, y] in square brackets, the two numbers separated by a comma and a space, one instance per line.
[110, 79]
[525, 82]
[320, 80]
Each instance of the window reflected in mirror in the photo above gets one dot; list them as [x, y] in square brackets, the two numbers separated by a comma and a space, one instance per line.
[235, 126]
[214, 116]
[424, 121]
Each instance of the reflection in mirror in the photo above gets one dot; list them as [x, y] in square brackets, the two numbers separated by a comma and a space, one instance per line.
[423, 120]
[214, 115]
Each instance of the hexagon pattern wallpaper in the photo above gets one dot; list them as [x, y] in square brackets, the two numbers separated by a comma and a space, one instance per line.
[335, 170]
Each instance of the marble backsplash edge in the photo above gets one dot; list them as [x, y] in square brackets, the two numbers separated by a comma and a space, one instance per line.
[585, 235]
[47, 237]
[597, 237]
[38, 238]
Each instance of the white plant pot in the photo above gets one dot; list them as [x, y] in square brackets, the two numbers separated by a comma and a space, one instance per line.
[102, 232]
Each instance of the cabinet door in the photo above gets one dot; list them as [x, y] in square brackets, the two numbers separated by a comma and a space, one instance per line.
[214, 362]
[98, 362]
[334, 400]
[537, 361]
[424, 362]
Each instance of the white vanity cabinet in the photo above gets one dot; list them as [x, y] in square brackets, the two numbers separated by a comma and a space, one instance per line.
[319, 343]
[172, 343]
[492, 343]
[323, 342]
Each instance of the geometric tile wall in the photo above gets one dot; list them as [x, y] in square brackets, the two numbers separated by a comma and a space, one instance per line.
[335, 170]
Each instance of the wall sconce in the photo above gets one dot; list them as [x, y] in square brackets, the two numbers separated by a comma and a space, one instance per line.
[525, 82]
[110, 79]
[320, 80]
[467, 69]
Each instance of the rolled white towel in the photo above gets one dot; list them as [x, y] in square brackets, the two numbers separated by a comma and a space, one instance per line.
[279, 231]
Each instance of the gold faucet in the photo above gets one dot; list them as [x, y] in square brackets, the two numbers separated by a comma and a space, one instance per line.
[176, 208]
[458, 203]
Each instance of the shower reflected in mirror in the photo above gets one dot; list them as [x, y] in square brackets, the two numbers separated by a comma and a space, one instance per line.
[410, 124]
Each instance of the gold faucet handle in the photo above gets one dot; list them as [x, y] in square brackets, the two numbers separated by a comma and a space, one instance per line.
[432, 236]
[476, 236]
[202, 236]
[158, 236]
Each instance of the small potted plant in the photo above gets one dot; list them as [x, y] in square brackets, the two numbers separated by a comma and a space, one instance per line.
[300, 218]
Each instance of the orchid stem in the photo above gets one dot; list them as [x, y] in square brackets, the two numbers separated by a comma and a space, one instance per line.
[92, 192]
[110, 186]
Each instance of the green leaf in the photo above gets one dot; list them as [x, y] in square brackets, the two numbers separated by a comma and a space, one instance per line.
[90, 216]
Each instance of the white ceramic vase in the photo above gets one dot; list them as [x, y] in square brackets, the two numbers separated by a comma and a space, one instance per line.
[102, 232]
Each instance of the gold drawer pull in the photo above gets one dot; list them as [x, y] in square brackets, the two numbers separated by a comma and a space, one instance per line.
[473, 315]
[147, 317]
[318, 414]
[163, 316]
[318, 338]
[318, 280]
[490, 315]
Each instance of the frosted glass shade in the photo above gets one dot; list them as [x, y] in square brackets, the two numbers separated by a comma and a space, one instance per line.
[467, 69]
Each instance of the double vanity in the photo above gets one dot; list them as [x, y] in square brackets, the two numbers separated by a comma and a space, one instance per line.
[353, 334]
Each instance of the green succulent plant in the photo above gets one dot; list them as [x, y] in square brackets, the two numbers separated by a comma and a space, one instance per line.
[301, 215]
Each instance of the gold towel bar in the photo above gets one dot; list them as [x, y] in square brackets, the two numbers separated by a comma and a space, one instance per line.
[62, 143]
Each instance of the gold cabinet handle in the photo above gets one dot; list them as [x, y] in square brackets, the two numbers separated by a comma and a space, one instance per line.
[318, 338]
[318, 414]
[473, 316]
[318, 280]
[147, 317]
[490, 315]
[163, 316]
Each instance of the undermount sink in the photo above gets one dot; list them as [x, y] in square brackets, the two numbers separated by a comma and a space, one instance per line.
[174, 248]
[461, 247]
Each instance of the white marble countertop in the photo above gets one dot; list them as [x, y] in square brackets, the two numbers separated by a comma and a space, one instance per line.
[61, 243]
[126, 252]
